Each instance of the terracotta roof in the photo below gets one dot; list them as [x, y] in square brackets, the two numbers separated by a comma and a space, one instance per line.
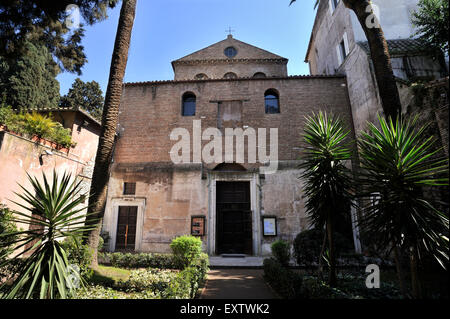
[67, 109]
[400, 46]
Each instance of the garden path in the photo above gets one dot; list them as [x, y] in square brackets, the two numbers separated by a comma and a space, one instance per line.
[236, 283]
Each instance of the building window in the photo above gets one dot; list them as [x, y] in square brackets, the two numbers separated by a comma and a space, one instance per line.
[342, 49]
[230, 52]
[129, 188]
[272, 101]
[333, 5]
[189, 102]
[230, 75]
[201, 76]
[259, 75]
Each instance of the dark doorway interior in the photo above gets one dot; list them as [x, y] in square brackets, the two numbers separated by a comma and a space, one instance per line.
[126, 228]
[234, 218]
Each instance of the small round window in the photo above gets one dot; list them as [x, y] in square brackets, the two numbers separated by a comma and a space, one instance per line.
[230, 52]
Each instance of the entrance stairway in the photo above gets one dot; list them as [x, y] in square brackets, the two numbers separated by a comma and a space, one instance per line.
[235, 261]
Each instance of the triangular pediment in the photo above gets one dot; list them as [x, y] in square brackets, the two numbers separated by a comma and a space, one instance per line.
[244, 51]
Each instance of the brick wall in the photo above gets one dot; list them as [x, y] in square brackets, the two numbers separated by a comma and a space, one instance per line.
[150, 111]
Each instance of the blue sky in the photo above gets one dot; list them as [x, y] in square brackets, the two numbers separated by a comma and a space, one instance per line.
[165, 30]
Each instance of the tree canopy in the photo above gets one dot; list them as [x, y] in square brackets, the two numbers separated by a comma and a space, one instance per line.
[85, 95]
[431, 21]
[43, 22]
[30, 82]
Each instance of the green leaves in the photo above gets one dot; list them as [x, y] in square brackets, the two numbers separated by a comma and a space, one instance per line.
[431, 22]
[328, 186]
[85, 95]
[29, 79]
[44, 22]
[399, 164]
[54, 212]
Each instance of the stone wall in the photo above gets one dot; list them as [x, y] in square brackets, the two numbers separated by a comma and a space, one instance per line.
[167, 197]
[242, 69]
[212, 61]
[19, 156]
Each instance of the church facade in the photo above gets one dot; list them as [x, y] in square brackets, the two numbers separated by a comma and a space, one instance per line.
[215, 152]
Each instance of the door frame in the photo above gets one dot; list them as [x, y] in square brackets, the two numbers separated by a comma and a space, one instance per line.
[223, 176]
[110, 224]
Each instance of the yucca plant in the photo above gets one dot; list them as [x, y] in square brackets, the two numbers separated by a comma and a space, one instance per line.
[397, 161]
[54, 213]
[327, 180]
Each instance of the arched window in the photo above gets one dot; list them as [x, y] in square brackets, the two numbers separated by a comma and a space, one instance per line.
[272, 101]
[259, 75]
[230, 75]
[189, 101]
[201, 76]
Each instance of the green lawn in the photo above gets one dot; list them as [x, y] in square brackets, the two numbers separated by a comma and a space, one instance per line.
[108, 276]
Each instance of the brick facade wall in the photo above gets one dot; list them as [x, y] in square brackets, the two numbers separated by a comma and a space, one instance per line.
[150, 111]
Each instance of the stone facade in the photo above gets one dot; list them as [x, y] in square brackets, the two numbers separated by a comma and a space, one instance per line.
[214, 64]
[167, 194]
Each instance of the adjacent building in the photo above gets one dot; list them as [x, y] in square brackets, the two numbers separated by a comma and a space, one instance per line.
[338, 45]
[20, 155]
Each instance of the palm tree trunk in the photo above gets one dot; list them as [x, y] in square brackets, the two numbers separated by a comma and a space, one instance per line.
[400, 273]
[322, 251]
[379, 52]
[332, 271]
[415, 279]
[99, 184]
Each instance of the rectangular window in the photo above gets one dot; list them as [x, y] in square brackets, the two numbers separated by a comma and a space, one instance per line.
[342, 49]
[129, 188]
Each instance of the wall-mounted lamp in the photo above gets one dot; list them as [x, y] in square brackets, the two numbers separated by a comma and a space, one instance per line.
[44, 153]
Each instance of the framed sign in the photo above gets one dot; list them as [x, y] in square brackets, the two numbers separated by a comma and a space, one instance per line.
[270, 226]
[198, 225]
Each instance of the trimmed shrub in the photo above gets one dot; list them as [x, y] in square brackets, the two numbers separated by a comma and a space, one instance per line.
[141, 260]
[186, 249]
[100, 292]
[284, 281]
[281, 250]
[155, 280]
[189, 279]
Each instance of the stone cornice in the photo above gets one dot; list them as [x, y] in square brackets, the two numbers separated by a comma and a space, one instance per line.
[291, 77]
[229, 61]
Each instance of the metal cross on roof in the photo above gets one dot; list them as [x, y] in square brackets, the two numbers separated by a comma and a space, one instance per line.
[229, 31]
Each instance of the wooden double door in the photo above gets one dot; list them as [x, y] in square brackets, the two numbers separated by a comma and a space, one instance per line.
[234, 218]
[126, 228]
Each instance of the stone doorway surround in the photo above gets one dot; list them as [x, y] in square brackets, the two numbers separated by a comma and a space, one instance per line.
[110, 220]
[234, 176]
